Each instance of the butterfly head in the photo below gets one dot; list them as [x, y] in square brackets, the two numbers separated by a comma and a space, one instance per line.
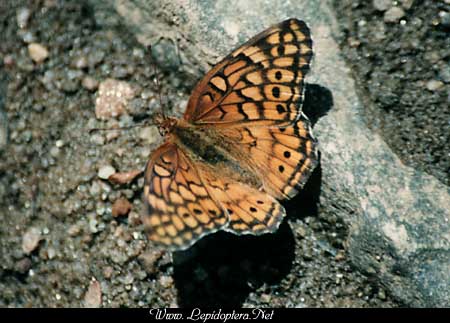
[165, 124]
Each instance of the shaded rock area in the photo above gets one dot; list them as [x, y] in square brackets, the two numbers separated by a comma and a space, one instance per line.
[404, 70]
[365, 231]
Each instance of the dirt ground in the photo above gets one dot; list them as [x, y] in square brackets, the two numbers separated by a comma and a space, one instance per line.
[61, 247]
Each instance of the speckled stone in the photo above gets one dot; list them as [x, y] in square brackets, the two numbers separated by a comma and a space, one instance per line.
[393, 15]
[31, 239]
[93, 297]
[112, 99]
[38, 52]
[382, 5]
[105, 171]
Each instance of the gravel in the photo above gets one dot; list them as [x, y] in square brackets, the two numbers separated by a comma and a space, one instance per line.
[38, 52]
[393, 15]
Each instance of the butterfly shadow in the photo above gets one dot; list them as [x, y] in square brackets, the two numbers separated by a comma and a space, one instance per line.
[222, 269]
[318, 101]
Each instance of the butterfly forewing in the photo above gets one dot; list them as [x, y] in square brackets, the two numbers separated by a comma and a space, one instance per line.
[261, 80]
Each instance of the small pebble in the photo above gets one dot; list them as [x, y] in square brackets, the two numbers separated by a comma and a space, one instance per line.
[70, 85]
[124, 178]
[301, 232]
[59, 143]
[107, 272]
[120, 72]
[129, 279]
[121, 207]
[382, 5]
[381, 294]
[22, 266]
[54, 152]
[80, 62]
[89, 83]
[112, 99]
[31, 240]
[445, 18]
[37, 52]
[96, 57]
[265, 298]
[8, 60]
[51, 253]
[93, 225]
[97, 139]
[166, 281]
[340, 256]
[393, 15]
[134, 219]
[353, 42]
[74, 230]
[407, 4]
[23, 16]
[93, 297]
[105, 171]
[150, 260]
[434, 85]
[149, 134]
[27, 36]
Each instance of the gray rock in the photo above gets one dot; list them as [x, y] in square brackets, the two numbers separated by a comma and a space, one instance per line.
[394, 14]
[445, 18]
[30, 240]
[397, 217]
[434, 85]
[22, 16]
[382, 5]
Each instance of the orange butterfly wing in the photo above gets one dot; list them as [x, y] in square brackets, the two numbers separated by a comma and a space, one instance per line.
[250, 211]
[180, 207]
[253, 98]
[260, 82]
[283, 156]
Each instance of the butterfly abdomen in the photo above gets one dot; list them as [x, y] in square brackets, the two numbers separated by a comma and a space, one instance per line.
[200, 145]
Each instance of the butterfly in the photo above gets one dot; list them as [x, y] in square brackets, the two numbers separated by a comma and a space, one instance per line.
[242, 144]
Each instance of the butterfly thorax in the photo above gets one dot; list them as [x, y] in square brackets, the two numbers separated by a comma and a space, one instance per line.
[207, 146]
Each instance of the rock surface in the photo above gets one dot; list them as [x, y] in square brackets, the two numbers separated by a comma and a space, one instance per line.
[397, 217]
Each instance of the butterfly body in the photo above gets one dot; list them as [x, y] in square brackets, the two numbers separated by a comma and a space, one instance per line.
[242, 144]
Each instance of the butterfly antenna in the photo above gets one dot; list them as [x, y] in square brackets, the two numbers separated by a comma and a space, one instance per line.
[158, 83]
[118, 128]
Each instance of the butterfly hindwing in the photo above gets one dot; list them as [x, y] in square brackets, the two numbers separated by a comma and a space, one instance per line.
[250, 211]
[284, 157]
[180, 209]
[261, 81]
